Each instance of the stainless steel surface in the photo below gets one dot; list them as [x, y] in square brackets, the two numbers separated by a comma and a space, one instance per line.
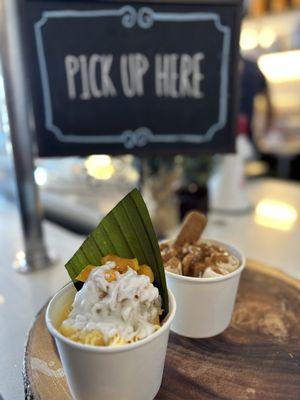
[20, 121]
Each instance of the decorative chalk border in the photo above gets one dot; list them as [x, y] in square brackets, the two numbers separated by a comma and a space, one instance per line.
[144, 17]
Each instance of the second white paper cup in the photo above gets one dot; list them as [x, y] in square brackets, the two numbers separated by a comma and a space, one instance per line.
[129, 372]
[205, 305]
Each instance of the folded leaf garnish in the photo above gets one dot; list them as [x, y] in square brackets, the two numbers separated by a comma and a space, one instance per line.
[126, 231]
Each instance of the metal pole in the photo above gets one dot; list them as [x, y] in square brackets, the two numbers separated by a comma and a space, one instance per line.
[20, 114]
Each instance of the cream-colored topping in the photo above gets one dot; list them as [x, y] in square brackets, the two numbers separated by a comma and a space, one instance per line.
[126, 308]
[221, 268]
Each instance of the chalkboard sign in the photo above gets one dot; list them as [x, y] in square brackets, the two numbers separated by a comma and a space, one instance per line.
[141, 78]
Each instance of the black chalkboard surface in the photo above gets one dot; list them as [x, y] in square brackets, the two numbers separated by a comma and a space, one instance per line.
[141, 78]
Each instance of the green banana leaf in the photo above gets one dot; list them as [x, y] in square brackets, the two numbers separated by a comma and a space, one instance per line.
[126, 231]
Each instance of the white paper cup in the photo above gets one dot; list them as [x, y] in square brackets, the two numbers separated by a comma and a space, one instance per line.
[205, 305]
[130, 372]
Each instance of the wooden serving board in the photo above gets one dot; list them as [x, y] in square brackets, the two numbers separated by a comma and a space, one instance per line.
[257, 357]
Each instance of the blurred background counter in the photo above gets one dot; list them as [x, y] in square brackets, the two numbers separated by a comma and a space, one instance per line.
[268, 231]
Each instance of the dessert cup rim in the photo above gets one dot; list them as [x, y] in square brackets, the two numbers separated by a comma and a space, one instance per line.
[237, 252]
[105, 349]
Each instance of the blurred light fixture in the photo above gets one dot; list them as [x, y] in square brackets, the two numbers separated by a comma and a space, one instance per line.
[249, 39]
[275, 214]
[2, 299]
[132, 175]
[256, 168]
[20, 260]
[20, 255]
[40, 176]
[128, 158]
[281, 67]
[99, 167]
[266, 37]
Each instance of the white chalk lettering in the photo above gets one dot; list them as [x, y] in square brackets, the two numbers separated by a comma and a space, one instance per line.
[125, 66]
[72, 68]
[173, 75]
[85, 94]
[133, 68]
[89, 77]
[161, 75]
[197, 75]
[95, 90]
[142, 65]
[104, 62]
[178, 75]
[108, 87]
[186, 67]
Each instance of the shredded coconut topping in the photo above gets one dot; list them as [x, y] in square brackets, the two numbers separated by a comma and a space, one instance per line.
[126, 308]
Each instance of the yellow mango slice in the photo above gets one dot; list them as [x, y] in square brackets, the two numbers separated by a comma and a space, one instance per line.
[146, 270]
[84, 274]
[122, 262]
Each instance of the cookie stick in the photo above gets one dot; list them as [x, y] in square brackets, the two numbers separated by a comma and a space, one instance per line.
[192, 228]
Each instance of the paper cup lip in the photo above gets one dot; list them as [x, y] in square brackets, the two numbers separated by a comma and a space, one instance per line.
[236, 252]
[106, 349]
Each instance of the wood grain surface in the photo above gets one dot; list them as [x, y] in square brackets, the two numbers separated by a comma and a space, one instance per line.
[257, 357]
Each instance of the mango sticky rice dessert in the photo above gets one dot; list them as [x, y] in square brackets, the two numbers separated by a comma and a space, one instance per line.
[112, 321]
[117, 304]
